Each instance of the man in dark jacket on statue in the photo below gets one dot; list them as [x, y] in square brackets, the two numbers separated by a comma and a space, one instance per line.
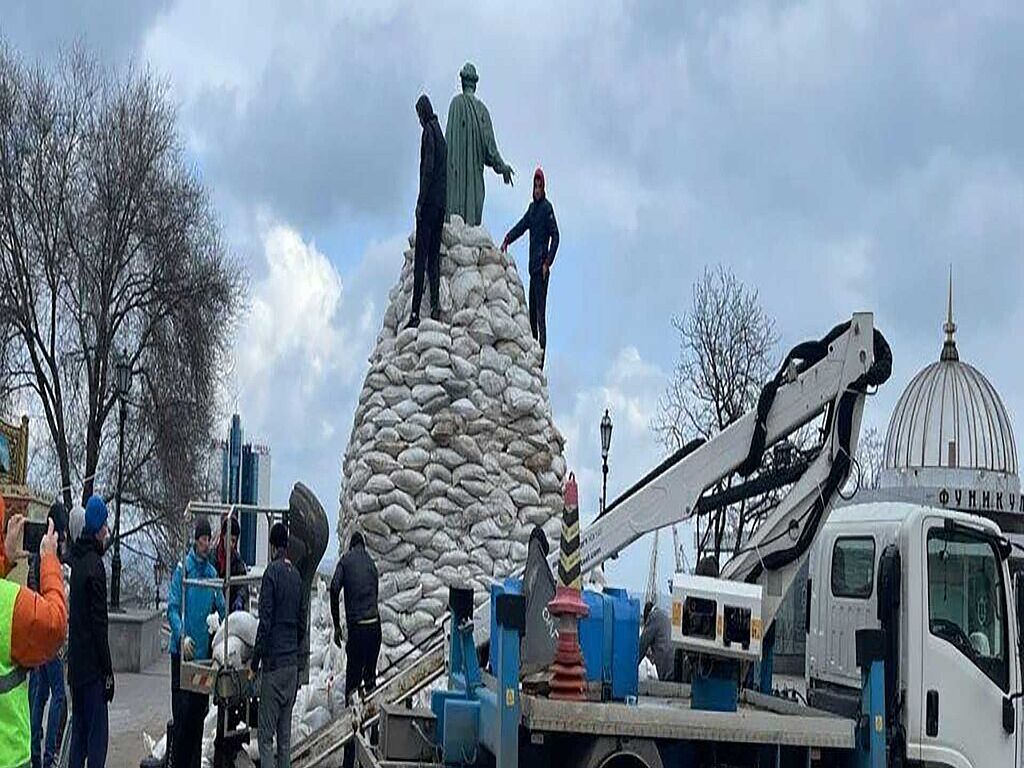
[356, 573]
[430, 206]
[90, 671]
[539, 219]
[278, 639]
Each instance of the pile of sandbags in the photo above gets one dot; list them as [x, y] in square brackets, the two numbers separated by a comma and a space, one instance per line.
[453, 457]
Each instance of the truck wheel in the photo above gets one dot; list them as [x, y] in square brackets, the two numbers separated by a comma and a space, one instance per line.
[608, 752]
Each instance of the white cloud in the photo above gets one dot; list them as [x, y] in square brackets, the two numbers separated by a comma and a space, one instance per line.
[294, 310]
[301, 354]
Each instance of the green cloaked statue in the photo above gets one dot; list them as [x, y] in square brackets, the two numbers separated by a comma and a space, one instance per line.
[471, 146]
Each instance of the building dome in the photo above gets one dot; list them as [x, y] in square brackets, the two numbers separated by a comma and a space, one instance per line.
[950, 418]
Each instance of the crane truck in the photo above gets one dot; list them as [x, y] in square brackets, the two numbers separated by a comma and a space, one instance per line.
[726, 715]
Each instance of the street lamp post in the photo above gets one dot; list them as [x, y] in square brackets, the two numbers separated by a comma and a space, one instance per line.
[606, 442]
[122, 384]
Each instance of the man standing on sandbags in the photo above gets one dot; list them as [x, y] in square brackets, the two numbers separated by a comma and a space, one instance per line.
[429, 211]
[356, 573]
[278, 639]
[190, 641]
[539, 219]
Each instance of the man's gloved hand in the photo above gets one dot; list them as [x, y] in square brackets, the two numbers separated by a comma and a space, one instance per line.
[188, 648]
[507, 173]
[108, 688]
[339, 638]
[504, 245]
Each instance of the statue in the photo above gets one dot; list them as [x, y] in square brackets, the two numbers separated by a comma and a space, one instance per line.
[471, 146]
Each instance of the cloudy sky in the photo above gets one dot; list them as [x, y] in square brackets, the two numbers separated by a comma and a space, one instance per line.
[839, 156]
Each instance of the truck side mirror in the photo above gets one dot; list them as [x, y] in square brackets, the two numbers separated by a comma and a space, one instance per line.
[1009, 714]
[1018, 592]
[888, 584]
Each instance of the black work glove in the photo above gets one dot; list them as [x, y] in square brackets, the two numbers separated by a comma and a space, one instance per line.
[108, 688]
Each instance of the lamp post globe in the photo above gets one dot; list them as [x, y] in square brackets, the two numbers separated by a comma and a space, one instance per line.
[122, 387]
[606, 443]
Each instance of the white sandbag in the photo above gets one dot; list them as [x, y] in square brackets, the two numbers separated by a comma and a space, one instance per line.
[409, 480]
[397, 518]
[316, 698]
[238, 653]
[493, 384]
[240, 624]
[317, 718]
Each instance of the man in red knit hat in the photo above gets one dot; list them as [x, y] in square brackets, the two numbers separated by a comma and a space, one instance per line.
[539, 219]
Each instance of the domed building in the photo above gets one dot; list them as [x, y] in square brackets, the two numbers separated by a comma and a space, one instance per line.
[950, 442]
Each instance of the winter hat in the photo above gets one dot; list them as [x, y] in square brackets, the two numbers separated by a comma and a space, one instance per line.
[95, 515]
[202, 529]
[279, 536]
[236, 529]
[538, 534]
[539, 174]
[60, 520]
[424, 108]
[76, 523]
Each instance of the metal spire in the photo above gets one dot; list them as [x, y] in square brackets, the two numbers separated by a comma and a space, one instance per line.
[949, 351]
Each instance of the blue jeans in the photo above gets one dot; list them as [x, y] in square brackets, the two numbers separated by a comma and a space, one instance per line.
[89, 725]
[47, 682]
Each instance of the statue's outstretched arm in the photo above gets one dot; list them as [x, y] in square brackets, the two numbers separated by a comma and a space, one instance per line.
[492, 157]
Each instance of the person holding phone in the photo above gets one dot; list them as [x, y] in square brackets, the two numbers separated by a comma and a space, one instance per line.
[36, 624]
[46, 682]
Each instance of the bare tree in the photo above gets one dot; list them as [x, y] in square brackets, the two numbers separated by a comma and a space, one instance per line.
[109, 246]
[870, 459]
[726, 344]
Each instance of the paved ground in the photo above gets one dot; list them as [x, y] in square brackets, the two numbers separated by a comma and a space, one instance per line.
[141, 703]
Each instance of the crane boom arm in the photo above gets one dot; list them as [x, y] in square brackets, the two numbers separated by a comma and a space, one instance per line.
[670, 494]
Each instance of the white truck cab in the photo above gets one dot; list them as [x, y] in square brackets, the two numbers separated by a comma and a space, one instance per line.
[938, 581]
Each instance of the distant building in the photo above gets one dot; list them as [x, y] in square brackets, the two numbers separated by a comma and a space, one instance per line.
[245, 479]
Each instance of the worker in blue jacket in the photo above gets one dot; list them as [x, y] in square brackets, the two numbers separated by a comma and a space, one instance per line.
[190, 641]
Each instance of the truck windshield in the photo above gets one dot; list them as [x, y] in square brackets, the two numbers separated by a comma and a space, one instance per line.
[966, 600]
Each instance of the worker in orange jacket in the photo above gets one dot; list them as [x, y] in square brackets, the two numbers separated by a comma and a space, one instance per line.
[32, 630]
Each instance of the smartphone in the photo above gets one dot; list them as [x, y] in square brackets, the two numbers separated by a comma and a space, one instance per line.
[32, 536]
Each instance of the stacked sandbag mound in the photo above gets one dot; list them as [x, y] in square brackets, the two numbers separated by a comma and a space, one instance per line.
[453, 456]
